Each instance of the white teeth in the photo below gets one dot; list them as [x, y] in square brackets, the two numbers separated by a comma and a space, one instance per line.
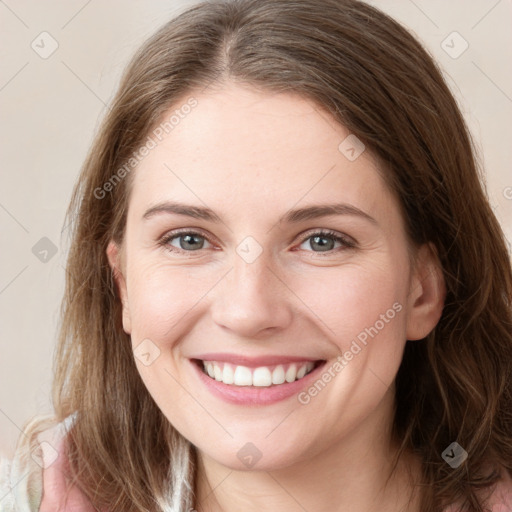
[262, 377]
[278, 375]
[291, 373]
[243, 376]
[301, 372]
[209, 369]
[259, 377]
[228, 375]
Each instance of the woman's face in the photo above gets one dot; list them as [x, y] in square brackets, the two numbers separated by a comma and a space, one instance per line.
[251, 283]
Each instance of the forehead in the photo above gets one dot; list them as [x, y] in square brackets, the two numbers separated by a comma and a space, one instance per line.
[241, 148]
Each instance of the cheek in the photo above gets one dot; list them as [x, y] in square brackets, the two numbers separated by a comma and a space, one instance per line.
[362, 310]
[161, 296]
[349, 299]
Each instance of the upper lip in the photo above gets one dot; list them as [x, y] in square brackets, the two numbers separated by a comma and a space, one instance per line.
[241, 360]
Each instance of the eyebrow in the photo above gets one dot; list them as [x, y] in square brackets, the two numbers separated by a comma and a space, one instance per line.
[292, 216]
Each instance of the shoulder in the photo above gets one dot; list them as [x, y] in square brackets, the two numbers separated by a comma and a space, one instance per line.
[7, 479]
[35, 480]
[500, 499]
[57, 493]
[21, 478]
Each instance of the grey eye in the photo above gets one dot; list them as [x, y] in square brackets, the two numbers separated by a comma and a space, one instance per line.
[322, 243]
[188, 242]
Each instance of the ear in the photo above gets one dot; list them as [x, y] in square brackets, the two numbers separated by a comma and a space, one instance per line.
[427, 294]
[114, 256]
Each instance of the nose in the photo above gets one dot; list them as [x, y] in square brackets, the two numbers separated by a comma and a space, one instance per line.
[252, 299]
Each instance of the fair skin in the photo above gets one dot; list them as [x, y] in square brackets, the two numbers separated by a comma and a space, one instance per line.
[251, 157]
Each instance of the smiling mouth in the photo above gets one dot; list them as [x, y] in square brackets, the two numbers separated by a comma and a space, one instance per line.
[262, 376]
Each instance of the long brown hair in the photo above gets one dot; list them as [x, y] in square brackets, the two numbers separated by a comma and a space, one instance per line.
[377, 80]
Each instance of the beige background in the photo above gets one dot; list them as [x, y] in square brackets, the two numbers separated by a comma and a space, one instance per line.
[51, 108]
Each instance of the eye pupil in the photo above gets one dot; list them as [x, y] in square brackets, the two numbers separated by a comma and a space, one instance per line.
[188, 244]
[316, 239]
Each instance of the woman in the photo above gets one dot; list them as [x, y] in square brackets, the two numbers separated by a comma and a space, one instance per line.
[286, 288]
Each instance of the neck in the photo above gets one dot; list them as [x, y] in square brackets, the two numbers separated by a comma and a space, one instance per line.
[354, 475]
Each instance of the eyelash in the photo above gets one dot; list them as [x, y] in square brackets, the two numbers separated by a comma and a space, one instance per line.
[348, 243]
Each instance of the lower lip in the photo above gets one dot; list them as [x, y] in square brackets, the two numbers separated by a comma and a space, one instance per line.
[251, 395]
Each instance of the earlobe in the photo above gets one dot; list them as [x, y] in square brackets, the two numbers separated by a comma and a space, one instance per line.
[115, 262]
[426, 294]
